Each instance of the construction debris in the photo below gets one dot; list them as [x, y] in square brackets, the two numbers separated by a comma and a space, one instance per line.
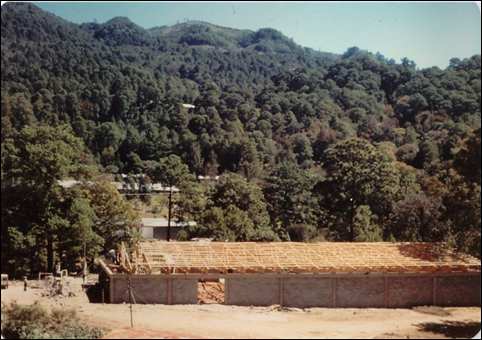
[58, 286]
[278, 308]
[210, 292]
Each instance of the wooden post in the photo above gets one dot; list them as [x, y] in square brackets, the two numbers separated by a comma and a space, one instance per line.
[130, 298]
[168, 237]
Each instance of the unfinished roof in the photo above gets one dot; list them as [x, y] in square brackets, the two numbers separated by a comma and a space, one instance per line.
[294, 257]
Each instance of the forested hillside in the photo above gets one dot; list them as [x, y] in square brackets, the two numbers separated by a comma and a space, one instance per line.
[358, 145]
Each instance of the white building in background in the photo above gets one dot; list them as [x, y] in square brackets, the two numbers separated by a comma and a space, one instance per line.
[68, 183]
[156, 228]
[154, 187]
[123, 186]
[188, 106]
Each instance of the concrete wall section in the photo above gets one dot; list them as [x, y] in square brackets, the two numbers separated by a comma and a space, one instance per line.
[154, 290]
[253, 291]
[409, 291]
[392, 291]
[457, 291]
[184, 291]
[118, 288]
[360, 292]
[308, 292]
[144, 290]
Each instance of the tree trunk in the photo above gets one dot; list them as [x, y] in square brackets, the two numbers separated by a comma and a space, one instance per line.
[50, 253]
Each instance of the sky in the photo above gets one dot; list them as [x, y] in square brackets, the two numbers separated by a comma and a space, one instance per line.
[428, 33]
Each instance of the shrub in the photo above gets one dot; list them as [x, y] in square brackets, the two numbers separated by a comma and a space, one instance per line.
[35, 322]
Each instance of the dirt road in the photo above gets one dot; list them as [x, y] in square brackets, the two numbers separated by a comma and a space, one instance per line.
[219, 321]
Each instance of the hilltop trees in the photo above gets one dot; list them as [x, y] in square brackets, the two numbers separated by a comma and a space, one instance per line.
[303, 140]
[255, 94]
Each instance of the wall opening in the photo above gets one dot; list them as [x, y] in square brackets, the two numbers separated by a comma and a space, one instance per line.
[210, 291]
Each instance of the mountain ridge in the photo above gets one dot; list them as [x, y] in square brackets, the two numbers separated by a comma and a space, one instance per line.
[248, 86]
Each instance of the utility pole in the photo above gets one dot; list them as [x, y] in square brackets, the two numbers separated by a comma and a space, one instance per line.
[168, 238]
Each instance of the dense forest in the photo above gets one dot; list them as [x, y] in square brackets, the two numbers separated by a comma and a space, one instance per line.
[309, 145]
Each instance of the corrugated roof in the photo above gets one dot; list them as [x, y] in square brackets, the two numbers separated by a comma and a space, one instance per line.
[278, 257]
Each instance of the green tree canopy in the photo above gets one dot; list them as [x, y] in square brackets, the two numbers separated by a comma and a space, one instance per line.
[357, 174]
[290, 201]
[235, 210]
[115, 220]
[170, 171]
[39, 157]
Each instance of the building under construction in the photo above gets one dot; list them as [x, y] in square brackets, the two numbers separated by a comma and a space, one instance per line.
[329, 274]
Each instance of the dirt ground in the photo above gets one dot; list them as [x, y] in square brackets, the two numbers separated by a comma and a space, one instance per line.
[220, 321]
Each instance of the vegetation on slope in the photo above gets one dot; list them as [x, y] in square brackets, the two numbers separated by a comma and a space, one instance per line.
[345, 147]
